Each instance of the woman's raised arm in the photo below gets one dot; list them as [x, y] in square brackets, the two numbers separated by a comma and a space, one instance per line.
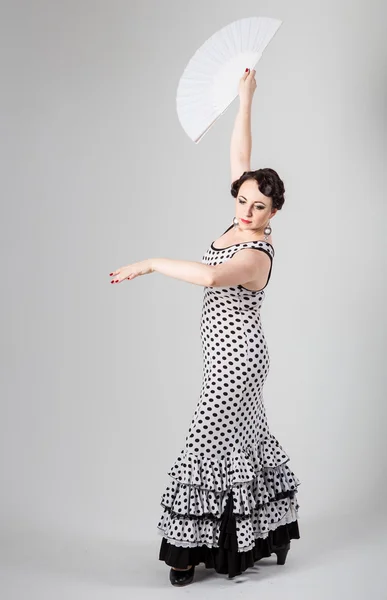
[241, 140]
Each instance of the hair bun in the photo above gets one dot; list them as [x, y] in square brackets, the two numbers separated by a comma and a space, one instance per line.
[269, 184]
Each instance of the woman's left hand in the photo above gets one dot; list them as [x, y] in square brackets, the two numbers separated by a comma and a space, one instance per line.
[134, 270]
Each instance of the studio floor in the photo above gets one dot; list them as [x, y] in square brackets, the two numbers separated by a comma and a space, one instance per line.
[334, 559]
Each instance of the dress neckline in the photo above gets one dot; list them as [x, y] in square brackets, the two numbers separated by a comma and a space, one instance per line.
[239, 243]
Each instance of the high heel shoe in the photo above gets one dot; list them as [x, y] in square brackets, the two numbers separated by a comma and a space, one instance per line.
[281, 553]
[184, 577]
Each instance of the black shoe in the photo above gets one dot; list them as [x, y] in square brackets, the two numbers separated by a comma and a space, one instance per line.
[182, 577]
[281, 553]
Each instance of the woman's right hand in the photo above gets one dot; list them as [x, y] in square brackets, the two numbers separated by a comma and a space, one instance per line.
[247, 86]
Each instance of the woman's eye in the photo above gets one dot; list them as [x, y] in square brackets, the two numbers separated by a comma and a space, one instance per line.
[259, 206]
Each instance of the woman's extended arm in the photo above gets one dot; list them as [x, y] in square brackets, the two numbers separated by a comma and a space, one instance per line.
[244, 266]
[240, 269]
[186, 270]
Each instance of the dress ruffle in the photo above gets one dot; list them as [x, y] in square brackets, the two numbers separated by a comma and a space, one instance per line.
[230, 512]
[240, 466]
[225, 556]
[265, 486]
[206, 530]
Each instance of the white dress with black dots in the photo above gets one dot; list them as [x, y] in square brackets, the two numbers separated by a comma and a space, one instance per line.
[232, 497]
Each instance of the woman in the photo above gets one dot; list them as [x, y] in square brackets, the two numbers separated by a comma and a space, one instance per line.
[232, 496]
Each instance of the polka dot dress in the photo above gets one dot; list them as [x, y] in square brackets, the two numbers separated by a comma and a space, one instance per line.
[231, 466]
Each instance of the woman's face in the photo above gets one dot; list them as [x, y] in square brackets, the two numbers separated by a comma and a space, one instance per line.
[252, 205]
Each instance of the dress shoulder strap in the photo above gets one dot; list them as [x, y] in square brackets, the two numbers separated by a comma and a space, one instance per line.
[258, 244]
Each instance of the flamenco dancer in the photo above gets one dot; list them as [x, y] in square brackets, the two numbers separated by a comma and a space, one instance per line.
[231, 497]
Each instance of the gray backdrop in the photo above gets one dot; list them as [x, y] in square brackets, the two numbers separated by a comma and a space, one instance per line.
[99, 382]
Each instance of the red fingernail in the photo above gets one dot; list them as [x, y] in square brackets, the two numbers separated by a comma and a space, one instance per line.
[110, 274]
[247, 70]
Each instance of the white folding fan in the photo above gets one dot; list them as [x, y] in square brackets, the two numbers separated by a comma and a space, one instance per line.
[210, 80]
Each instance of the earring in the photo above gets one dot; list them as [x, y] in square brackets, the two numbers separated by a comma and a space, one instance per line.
[267, 231]
[235, 222]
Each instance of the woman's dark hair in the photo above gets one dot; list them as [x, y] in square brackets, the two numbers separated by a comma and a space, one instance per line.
[269, 184]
